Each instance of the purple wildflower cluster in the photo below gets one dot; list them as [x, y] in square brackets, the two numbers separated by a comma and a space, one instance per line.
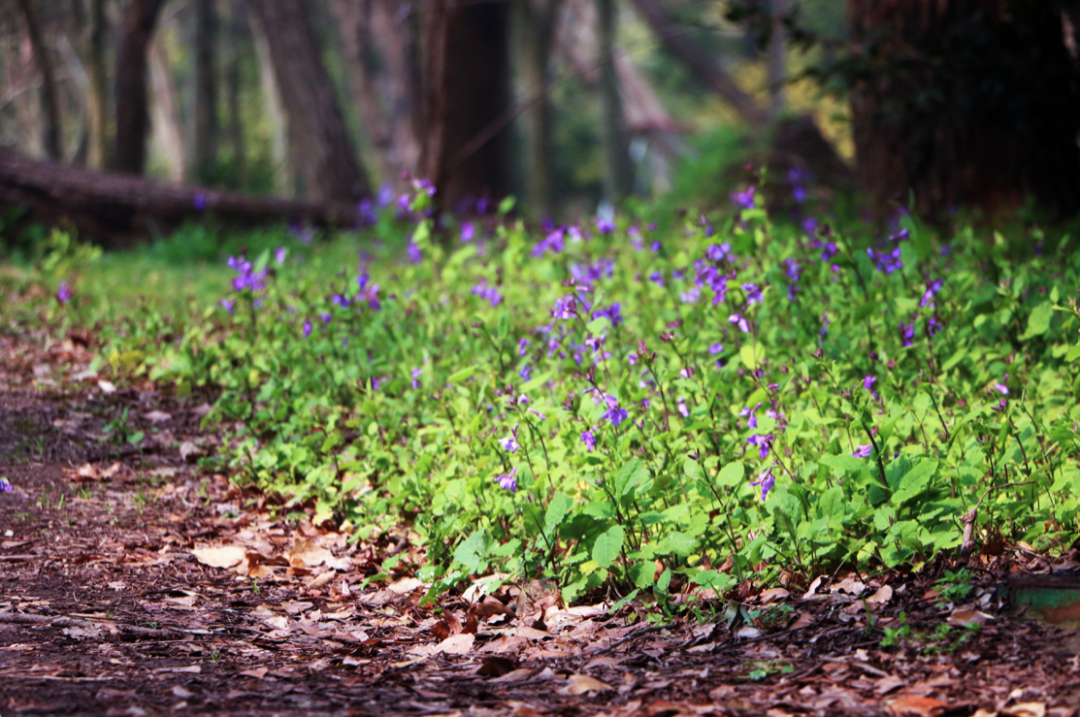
[487, 293]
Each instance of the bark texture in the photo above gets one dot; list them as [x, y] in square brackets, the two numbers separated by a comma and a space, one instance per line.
[319, 144]
[537, 21]
[97, 80]
[206, 109]
[467, 96]
[964, 102]
[50, 105]
[132, 111]
[700, 65]
[116, 207]
[614, 141]
[380, 40]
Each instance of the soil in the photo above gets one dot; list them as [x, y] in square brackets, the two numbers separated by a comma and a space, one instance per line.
[136, 579]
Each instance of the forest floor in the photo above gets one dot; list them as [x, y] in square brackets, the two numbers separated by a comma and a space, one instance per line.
[134, 581]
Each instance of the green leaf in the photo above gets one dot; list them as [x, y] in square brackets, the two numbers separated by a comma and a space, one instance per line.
[843, 463]
[643, 573]
[752, 355]
[607, 547]
[468, 553]
[464, 374]
[1039, 320]
[1074, 353]
[632, 474]
[915, 481]
[681, 544]
[556, 511]
[732, 474]
[663, 583]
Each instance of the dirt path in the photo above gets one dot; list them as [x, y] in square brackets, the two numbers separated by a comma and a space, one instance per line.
[108, 605]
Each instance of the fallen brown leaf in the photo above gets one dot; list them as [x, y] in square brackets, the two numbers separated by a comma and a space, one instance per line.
[881, 597]
[1026, 709]
[219, 556]
[496, 666]
[914, 705]
[580, 684]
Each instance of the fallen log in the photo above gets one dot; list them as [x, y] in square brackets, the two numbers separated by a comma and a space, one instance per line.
[118, 208]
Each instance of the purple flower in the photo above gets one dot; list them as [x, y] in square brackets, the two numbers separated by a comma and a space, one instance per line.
[753, 294]
[745, 199]
[690, 296]
[199, 200]
[605, 226]
[928, 296]
[825, 321]
[718, 253]
[368, 292]
[589, 438]
[385, 195]
[508, 481]
[868, 383]
[228, 304]
[614, 414]
[763, 443]
[5, 486]
[715, 349]
[553, 242]
[613, 313]
[510, 443]
[810, 225]
[468, 232]
[525, 372]
[521, 346]
[863, 451]
[565, 308]
[416, 374]
[907, 332]
[414, 254]
[740, 321]
[657, 277]
[683, 410]
[751, 421]
[1002, 389]
[886, 261]
[539, 415]
[766, 480]
[279, 255]
[63, 294]
[933, 326]
[339, 300]
[307, 329]
[487, 293]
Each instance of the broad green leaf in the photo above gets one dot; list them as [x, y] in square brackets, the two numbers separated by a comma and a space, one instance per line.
[732, 474]
[464, 374]
[556, 511]
[643, 574]
[680, 544]
[632, 474]
[607, 547]
[1039, 320]
[752, 355]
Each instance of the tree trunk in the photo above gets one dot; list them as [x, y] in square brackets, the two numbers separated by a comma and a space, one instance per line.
[166, 132]
[699, 64]
[969, 102]
[467, 100]
[116, 207]
[319, 141]
[206, 111]
[614, 143]
[777, 60]
[51, 129]
[537, 20]
[132, 111]
[98, 95]
[233, 88]
[285, 182]
[380, 47]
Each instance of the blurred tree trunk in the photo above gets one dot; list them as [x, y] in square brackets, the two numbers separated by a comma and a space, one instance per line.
[97, 77]
[50, 105]
[614, 143]
[383, 67]
[537, 21]
[166, 131]
[777, 62]
[965, 102]
[285, 183]
[206, 111]
[699, 64]
[319, 141]
[132, 111]
[233, 88]
[466, 149]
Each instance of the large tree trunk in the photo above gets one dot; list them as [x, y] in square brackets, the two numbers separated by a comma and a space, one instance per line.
[98, 91]
[206, 112]
[50, 105]
[537, 21]
[166, 133]
[699, 64]
[777, 57]
[319, 141]
[467, 100]
[233, 88]
[116, 207]
[380, 43]
[614, 142]
[132, 111]
[969, 102]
